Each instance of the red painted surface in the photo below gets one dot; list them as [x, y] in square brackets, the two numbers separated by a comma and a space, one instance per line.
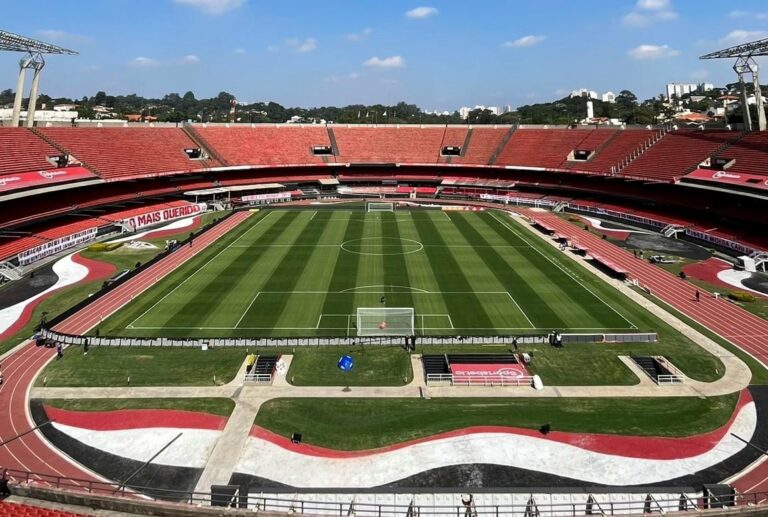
[32, 452]
[628, 446]
[136, 419]
[492, 372]
[96, 271]
[707, 271]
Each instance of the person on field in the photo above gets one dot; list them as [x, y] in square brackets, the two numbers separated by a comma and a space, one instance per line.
[698, 295]
[1, 375]
[59, 351]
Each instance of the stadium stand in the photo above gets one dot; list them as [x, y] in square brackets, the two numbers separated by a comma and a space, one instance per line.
[24, 510]
[389, 144]
[23, 151]
[482, 144]
[123, 153]
[281, 145]
[618, 148]
[547, 148]
[750, 153]
[677, 154]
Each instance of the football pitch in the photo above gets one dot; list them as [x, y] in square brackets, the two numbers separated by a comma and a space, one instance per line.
[305, 272]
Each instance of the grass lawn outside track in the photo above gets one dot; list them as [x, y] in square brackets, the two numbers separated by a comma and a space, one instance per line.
[355, 424]
[213, 406]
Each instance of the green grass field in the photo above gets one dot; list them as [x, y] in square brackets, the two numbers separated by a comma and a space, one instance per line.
[305, 272]
[213, 406]
[354, 424]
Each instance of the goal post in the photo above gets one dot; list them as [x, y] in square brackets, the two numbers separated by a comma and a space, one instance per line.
[385, 321]
[379, 206]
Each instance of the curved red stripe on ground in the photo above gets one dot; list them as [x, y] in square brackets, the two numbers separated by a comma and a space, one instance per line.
[96, 271]
[648, 447]
[135, 419]
[707, 271]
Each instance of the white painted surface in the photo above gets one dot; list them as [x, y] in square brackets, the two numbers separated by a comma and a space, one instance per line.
[175, 225]
[597, 223]
[68, 271]
[190, 450]
[735, 278]
[511, 450]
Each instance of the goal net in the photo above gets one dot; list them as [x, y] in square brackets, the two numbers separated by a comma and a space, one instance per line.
[379, 206]
[385, 321]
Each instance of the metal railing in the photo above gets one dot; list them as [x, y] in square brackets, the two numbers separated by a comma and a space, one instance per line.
[384, 503]
[479, 380]
[259, 378]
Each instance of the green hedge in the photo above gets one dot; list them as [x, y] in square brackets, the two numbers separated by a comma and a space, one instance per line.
[741, 296]
[104, 246]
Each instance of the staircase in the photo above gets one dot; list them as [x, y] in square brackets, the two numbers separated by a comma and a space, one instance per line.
[467, 140]
[560, 206]
[334, 145]
[717, 151]
[63, 150]
[198, 139]
[11, 272]
[671, 230]
[760, 258]
[502, 145]
[655, 368]
[637, 153]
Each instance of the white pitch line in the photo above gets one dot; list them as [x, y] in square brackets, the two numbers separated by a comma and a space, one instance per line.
[313, 215]
[521, 310]
[568, 329]
[493, 214]
[450, 321]
[246, 310]
[199, 269]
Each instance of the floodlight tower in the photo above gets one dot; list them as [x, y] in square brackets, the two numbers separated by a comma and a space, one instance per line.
[746, 64]
[33, 60]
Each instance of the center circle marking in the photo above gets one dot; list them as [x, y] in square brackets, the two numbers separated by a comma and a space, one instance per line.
[367, 246]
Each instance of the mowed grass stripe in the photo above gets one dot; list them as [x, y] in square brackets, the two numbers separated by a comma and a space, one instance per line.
[370, 267]
[395, 266]
[285, 276]
[537, 310]
[185, 283]
[232, 268]
[606, 316]
[344, 274]
[465, 309]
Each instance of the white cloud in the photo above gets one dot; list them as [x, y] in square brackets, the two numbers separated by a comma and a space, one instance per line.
[387, 62]
[239, 50]
[340, 78]
[60, 36]
[308, 45]
[525, 41]
[144, 62]
[743, 14]
[422, 12]
[648, 12]
[738, 36]
[190, 59]
[212, 6]
[360, 36]
[652, 52]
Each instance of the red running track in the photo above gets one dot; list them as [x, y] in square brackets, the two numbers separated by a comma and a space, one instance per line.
[32, 452]
[737, 325]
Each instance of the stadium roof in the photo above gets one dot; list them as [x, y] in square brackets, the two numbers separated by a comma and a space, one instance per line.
[15, 43]
[755, 48]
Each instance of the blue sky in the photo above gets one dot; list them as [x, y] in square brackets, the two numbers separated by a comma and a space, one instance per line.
[437, 54]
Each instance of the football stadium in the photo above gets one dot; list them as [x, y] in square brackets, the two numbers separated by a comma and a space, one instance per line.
[381, 314]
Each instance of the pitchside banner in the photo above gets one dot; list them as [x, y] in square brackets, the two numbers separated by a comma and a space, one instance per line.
[167, 214]
[274, 196]
[490, 372]
[56, 245]
[43, 178]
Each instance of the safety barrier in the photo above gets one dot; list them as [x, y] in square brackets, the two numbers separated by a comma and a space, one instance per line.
[478, 380]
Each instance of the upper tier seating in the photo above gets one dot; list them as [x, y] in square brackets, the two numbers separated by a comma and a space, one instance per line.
[547, 148]
[389, 144]
[23, 151]
[677, 153]
[618, 148]
[120, 153]
[282, 145]
[482, 145]
[751, 154]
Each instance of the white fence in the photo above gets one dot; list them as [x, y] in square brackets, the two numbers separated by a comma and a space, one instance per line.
[258, 378]
[478, 380]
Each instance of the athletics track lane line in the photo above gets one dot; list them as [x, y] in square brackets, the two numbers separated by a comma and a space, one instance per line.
[33, 452]
[721, 316]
